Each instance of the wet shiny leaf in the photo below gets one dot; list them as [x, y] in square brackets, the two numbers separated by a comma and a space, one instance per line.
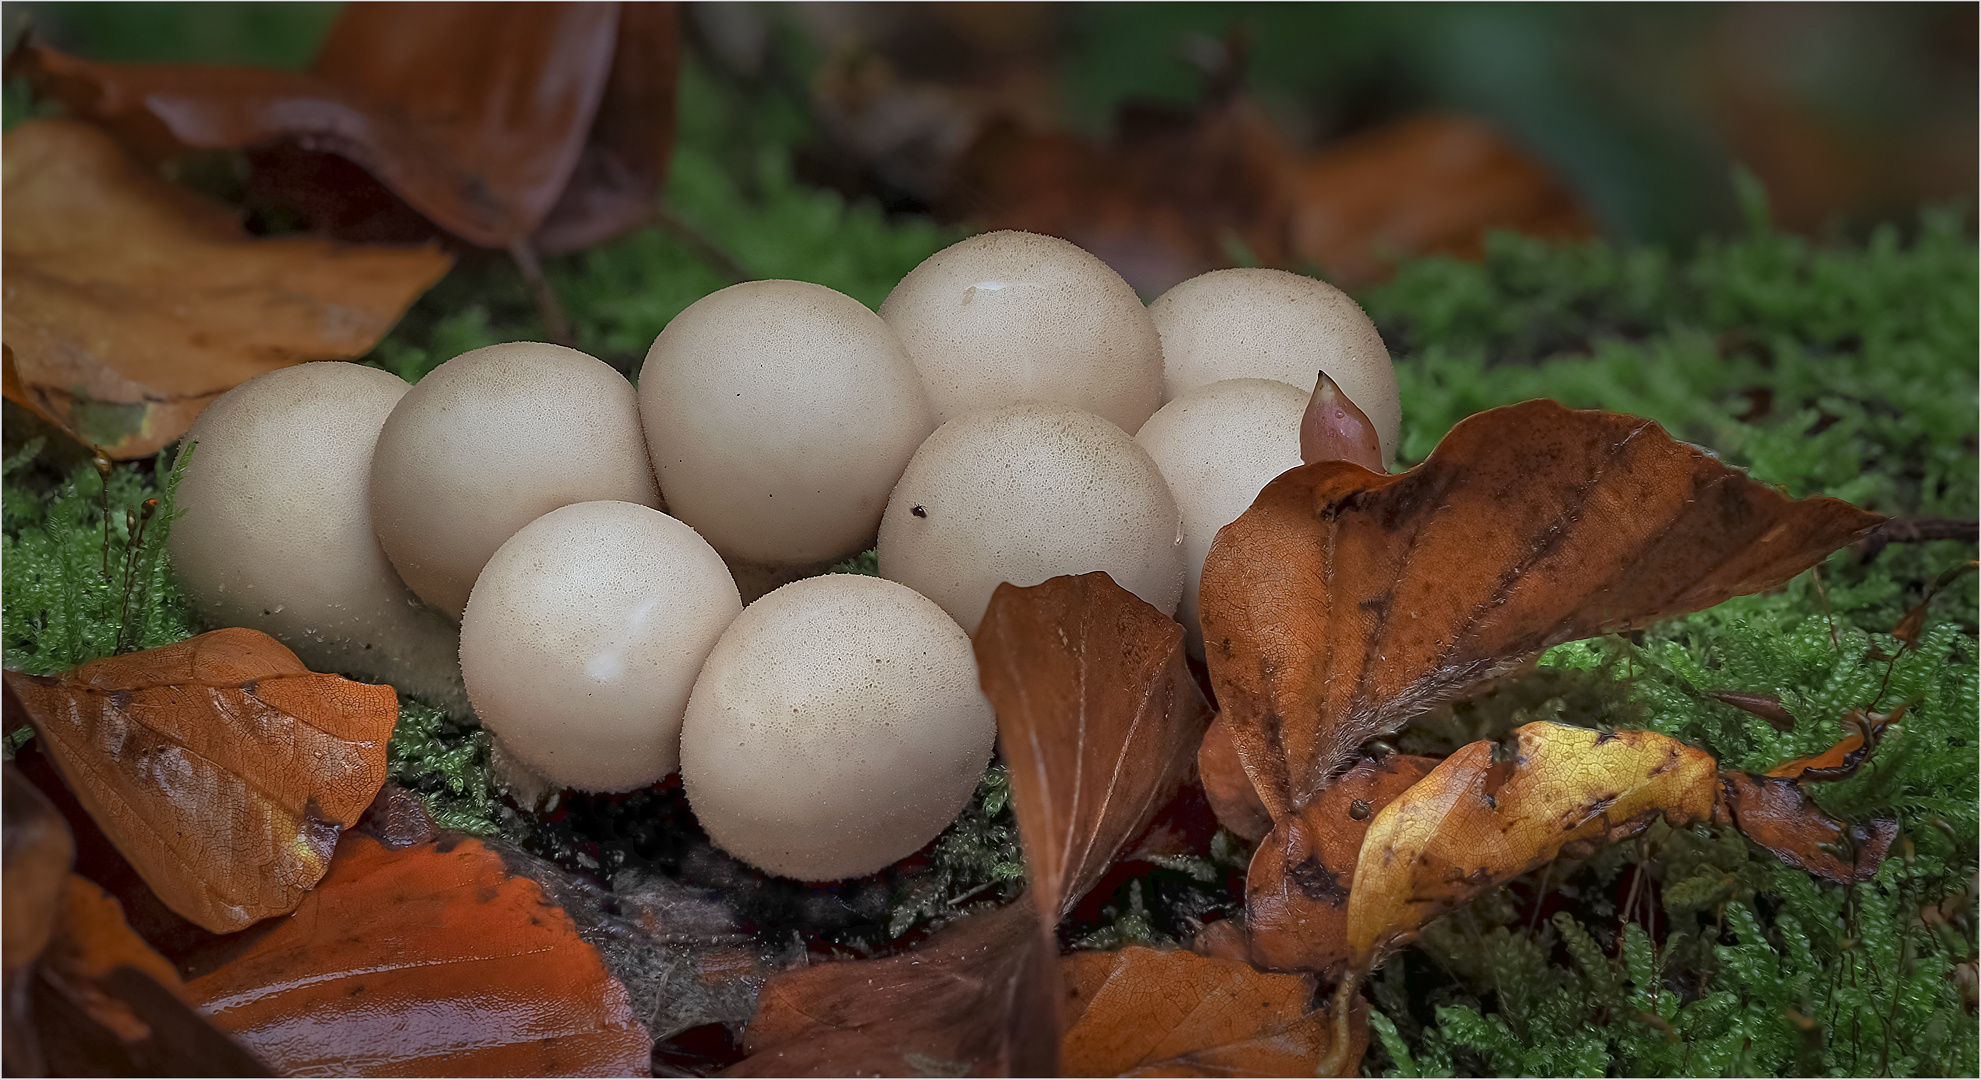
[1098, 717]
[1474, 823]
[131, 304]
[1343, 603]
[432, 960]
[221, 767]
[1143, 1012]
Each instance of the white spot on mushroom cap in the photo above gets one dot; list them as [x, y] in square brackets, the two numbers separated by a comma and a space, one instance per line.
[779, 414]
[489, 442]
[836, 727]
[1270, 324]
[1026, 492]
[277, 528]
[1015, 316]
[583, 638]
[1217, 446]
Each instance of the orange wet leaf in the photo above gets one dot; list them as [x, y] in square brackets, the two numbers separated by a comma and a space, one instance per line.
[1343, 603]
[1296, 890]
[1098, 717]
[221, 767]
[1144, 1012]
[132, 304]
[429, 961]
[974, 1000]
[1473, 823]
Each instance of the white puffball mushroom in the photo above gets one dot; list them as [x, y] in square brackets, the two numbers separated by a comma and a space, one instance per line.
[779, 414]
[836, 728]
[1022, 493]
[1217, 446]
[1015, 316]
[1270, 324]
[583, 637]
[489, 442]
[277, 528]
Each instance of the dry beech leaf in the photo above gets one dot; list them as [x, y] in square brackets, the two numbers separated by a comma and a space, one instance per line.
[429, 961]
[1475, 823]
[1143, 1012]
[1343, 602]
[976, 999]
[131, 305]
[221, 767]
[1296, 890]
[1227, 785]
[505, 124]
[1099, 719]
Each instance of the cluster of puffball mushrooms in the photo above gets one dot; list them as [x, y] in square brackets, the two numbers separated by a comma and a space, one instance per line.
[493, 537]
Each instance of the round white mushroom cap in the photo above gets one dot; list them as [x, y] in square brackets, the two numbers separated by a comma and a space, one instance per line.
[779, 414]
[583, 637]
[836, 728]
[489, 442]
[1217, 446]
[277, 528]
[1270, 324]
[1015, 316]
[1022, 493]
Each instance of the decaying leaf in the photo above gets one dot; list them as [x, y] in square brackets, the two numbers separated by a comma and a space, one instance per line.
[546, 125]
[1296, 890]
[1099, 719]
[977, 999]
[131, 304]
[1474, 822]
[432, 960]
[1144, 1012]
[1776, 813]
[38, 852]
[221, 767]
[1343, 602]
[101, 1002]
[1842, 760]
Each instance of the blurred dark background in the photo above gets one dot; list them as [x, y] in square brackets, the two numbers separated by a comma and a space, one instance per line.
[1848, 114]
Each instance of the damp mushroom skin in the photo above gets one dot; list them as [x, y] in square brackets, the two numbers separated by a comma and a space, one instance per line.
[489, 442]
[836, 728]
[276, 529]
[778, 415]
[1217, 446]
[583, 637]
[1026, 492]
[1250, 323]
[1014, 316]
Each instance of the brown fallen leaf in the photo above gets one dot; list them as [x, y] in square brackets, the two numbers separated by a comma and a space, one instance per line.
[1098, 717]
[1296, 890]
[429, 961]
[1228, 786]
[1144, 1012]
[1842, 760]
[132, 304]
[1343, 602]
[38, 852]
[221, 767]
[1776, 813]
[1474, 823]
[535, 126]
[976, 999]
[1335, 429]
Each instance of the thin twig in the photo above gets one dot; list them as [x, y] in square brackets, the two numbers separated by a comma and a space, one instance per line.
[555, 325]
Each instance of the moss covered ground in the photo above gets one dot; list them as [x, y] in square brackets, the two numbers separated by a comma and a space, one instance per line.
[1846, 370]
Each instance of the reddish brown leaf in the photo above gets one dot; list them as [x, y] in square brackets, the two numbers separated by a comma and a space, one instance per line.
[1141, 1012]
[1766, 706]
[1342, 603]
[492, 120]
[1776, 813]
[221, 767]
[1098, 717]
[131, 304]
[976, 999]
[1334, 429]
[37, 854]
[1296, 891]
[1227, 785]
[1473, 824]
[429, 961]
